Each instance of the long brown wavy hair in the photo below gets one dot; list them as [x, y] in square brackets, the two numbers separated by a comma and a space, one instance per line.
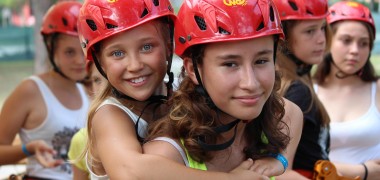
[190, 118]
[288, 68]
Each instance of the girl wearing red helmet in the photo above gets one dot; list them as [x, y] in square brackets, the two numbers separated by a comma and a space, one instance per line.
[304, 24]
[349, 89]
[227, 108]
[130, 42]
[47, 109]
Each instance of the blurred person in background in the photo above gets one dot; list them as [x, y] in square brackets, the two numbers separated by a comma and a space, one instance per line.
[78, 143]
[48, 109]
[306, 40]
[348, 87]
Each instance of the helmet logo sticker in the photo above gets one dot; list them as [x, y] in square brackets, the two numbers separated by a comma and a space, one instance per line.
[235, 2]
[352, 4]
[111, 1]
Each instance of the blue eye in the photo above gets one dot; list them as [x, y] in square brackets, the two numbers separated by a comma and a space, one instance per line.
[118, 53]
[146, 47]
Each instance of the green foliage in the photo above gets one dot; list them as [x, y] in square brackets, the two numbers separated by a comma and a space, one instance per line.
[13, 4]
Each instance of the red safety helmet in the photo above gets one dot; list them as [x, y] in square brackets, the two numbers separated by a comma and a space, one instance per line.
[101, 19]
[207, 21]
[62, 17]
[348, 10]
[302, 9]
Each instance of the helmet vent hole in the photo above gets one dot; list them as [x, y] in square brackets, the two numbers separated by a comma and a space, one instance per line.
[144, 13]
[200, 22]
[223, 31]
[332, 13]
[156, 2]
[91, 24]
[261, 26]
[293, 6]
[64, 21]
[271, 14]
[309, 12]
[110, 26]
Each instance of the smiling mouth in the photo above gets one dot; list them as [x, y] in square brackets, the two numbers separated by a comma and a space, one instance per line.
[138, 80]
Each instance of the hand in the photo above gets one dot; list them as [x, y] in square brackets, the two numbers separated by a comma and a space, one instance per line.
[245, 171]
[373, 167]
[268, 166]
[45, 154]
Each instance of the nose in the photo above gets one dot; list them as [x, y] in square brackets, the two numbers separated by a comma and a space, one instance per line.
[134, 63]
[354, 48]
[321, 36]
[80, 58]
[248, 79]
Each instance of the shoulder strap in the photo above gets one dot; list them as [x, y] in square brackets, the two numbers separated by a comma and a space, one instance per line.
[176, 145]
[373, 94]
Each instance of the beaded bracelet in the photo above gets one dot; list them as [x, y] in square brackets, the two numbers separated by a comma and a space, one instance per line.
[25, 151]
[280, 158]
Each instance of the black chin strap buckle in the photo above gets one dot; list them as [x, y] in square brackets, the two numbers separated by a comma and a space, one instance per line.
[219, 130]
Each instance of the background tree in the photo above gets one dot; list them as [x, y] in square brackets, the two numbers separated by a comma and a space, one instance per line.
[39, 8]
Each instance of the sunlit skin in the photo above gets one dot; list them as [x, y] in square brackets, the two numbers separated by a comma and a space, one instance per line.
[350, 46]
[135, 60]
[308, 40]
[239, 75]
[69, 57]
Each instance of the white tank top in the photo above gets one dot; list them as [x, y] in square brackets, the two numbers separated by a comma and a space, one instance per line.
[56, 130]
[142, 130]
[358, 140]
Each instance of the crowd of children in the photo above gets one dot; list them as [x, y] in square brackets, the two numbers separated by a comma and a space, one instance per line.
[248, 104]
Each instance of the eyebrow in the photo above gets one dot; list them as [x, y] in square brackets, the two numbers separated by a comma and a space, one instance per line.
[351, 36]
[235, 56]
[315, 25]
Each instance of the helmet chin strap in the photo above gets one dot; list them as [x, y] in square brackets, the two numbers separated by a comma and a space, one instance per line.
[302, 68]
[51, 50]
[218, 129]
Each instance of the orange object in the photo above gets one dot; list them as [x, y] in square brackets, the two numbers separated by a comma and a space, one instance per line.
[325, 170]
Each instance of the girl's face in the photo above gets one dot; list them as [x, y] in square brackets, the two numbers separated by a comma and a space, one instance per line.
[350, 46]
[239, 75]
[135, 60]
[308, 40]
[69, 57]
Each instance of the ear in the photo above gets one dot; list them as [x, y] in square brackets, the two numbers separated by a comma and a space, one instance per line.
[189, 67]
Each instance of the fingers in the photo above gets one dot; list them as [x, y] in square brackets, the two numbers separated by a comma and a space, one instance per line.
[46, 158]
[247, 164]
